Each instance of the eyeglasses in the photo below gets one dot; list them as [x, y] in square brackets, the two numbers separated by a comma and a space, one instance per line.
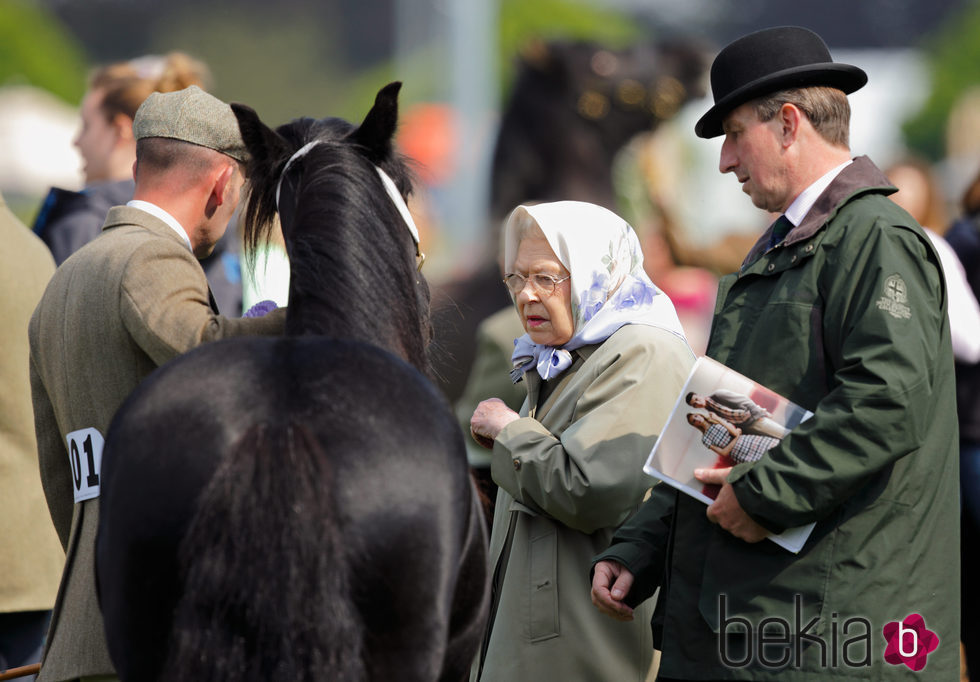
[541, 283]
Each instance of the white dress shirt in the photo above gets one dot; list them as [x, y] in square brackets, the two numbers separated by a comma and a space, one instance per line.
[158, 212]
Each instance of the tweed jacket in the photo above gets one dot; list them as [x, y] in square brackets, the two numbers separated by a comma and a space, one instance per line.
[125, 303]
[569, 472]
[31, 560]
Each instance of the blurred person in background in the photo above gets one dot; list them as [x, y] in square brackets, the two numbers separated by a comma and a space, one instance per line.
[920, 193]
[964, 238]
[31, 557]
[67, 220]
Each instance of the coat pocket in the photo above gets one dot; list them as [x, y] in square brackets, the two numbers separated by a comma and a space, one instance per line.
[543, 585]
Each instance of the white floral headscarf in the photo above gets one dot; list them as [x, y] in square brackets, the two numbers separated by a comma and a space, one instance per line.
[609, 288]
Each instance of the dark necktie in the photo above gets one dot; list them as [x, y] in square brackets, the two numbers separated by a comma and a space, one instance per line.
[780, 229]
[214, 303]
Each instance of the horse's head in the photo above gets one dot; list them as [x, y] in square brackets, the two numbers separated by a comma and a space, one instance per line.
[339, 191]
[620, 92]
[575, 104]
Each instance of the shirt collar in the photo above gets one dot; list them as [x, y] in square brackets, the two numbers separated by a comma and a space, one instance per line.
[804, 202]
[158, 212]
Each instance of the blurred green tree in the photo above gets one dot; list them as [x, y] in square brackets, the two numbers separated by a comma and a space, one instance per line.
[36, 49]
[295, 57]
[519, 24]
[522, 22]
[953, 53]
[280, 60]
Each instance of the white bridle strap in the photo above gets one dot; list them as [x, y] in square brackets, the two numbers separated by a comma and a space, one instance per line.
[389, 185]
[396, 198]
[299, 154]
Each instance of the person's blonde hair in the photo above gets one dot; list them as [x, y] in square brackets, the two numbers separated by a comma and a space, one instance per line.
[124, 85]
[826, 108]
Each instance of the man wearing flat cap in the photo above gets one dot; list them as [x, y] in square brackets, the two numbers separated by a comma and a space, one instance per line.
[841, 307]
[122, 305]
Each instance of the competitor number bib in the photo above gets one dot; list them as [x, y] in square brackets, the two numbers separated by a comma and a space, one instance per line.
[85, 459]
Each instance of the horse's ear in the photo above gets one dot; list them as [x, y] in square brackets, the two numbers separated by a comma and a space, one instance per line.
[268, 152]
[537, 55]
[378, 129]
[264, 144]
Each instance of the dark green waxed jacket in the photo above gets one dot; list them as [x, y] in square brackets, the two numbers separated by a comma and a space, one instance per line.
[847, 317]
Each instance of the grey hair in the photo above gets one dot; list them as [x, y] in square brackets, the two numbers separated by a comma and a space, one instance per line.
[826, 108]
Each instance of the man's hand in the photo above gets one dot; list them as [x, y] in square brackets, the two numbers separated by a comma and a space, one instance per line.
[611, 582]
[726, 511]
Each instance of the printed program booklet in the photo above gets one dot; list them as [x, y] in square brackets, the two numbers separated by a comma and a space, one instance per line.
[722, 418]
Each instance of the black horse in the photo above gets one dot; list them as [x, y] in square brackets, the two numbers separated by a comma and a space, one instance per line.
[300, 508]
[573, 107]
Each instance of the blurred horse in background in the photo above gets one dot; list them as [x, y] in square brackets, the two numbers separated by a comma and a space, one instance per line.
[573, 107]
[299, 508]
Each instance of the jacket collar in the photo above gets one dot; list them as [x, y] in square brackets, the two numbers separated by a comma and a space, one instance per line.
[535, 382]
[120, 216]
[860, 177]
[127, 215]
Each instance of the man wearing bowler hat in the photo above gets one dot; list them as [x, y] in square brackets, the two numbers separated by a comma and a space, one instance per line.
[841, 307]
[124, 304]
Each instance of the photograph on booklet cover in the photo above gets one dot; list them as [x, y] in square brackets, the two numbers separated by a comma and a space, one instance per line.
[720, 419]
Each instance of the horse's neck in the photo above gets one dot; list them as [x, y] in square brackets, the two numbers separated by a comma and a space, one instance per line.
[311, 317]
[578, 167]
[594, 185]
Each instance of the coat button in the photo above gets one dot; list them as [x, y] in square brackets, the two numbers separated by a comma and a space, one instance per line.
[809, 248]
[793, 259]
[772, 266]
[517, 465]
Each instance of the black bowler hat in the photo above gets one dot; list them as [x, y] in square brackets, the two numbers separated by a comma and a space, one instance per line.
[768, 61]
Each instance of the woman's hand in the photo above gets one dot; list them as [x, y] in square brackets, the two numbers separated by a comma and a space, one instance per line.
[489, 417]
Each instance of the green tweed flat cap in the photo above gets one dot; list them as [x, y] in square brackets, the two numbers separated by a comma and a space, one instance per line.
[194, 116]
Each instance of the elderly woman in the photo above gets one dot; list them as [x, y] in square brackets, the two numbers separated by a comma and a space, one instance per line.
[604, 358]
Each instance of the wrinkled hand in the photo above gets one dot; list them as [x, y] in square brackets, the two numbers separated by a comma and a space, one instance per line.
[489, 417]
[726, 511]
[611, 582]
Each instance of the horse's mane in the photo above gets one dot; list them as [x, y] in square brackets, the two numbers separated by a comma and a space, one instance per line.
[353, 271]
